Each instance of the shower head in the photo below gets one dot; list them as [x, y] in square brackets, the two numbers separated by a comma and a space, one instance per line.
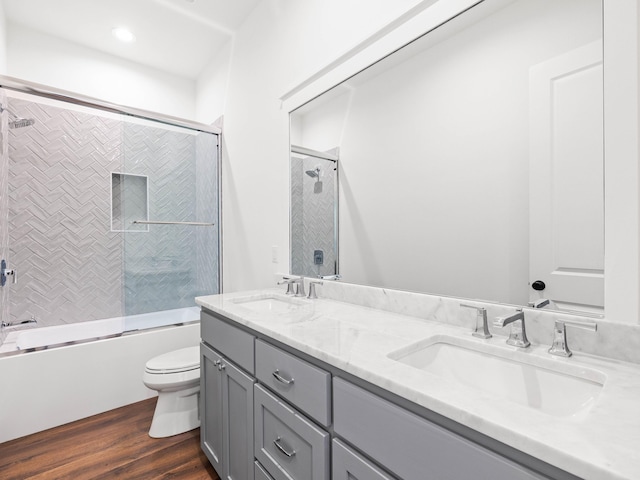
[314, 173]
[21, 122]
[17, 122]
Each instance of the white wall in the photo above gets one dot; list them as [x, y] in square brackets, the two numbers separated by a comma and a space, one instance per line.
[278, 46]
[212, 86]
[3, 41]
[41, 58]
[48, 388]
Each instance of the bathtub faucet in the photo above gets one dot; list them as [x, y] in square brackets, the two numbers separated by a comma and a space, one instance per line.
[24, 323]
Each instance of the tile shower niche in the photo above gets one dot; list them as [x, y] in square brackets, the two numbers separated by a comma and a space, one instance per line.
[129, 202]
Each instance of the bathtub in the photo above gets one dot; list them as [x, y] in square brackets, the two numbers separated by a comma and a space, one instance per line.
[44, 337]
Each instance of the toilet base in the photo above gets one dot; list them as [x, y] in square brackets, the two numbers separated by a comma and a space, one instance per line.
[176, 412]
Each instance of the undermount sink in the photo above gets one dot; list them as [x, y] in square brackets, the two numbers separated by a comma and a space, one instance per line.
[270, 303]
[555, 388]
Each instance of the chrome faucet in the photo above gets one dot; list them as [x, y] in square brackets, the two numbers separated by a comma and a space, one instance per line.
[289, 282]
[312, 289]
[518, 335]
[481, 313]
[300, 287]
[559, 346]
[14, 325]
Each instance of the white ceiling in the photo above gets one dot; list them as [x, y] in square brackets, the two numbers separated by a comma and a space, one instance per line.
[176, 36]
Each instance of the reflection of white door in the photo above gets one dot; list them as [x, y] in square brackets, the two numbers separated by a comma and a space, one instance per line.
[566, 184]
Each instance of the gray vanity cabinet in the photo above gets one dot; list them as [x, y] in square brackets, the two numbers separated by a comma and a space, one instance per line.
[349, 465]
[298, 420]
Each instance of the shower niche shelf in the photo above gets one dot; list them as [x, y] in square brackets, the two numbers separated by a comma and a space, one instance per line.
[129, 202]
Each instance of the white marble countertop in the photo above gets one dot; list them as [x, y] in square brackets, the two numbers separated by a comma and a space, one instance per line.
[603, 443]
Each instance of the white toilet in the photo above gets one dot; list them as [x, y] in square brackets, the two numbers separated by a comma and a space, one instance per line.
[176, 377]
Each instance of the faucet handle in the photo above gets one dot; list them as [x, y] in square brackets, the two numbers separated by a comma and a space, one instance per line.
[312, 289]
[5, 272]
[289, 282]
[559, 346]
[481, 312]
[300, 287]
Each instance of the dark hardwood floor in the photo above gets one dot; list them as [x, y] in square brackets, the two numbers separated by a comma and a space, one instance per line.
[111, 445]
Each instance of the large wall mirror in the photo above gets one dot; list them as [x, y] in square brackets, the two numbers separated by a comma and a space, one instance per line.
[471, 160]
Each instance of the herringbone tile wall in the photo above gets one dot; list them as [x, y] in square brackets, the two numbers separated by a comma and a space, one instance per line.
[312, 216]
[72, 267]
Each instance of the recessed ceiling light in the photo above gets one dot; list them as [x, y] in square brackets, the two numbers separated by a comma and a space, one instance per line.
[123, 34]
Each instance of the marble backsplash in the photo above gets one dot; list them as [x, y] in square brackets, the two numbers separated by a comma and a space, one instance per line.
[612, 340]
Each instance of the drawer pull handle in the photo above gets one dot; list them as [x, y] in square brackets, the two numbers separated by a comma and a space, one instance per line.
[276, 442]
[281, 379]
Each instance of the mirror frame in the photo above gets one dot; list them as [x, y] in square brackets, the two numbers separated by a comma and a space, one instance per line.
[621, 119]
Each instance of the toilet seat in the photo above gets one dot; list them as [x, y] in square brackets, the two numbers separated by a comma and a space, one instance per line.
[178, 361]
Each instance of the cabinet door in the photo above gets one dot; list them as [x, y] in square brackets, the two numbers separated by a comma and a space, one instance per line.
[288, 445]
[348, 465]
[237, 413]
[211, 415]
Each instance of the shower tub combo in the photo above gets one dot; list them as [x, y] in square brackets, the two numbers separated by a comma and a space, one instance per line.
[109, 229]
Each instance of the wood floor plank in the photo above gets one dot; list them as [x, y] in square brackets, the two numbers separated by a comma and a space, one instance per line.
[111, 445]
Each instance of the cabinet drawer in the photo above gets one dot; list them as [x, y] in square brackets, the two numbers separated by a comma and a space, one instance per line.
[286, 444]
[300, 383]
[348, 465]
[233, 343]
[410, 446]
[260, 473]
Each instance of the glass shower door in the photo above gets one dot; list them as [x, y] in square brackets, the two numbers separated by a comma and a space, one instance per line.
[169, 208]
[4, 210]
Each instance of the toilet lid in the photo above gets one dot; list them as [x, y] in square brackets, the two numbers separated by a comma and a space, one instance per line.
[176, 361]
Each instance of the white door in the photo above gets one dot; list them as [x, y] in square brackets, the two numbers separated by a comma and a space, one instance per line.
[566, 182]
